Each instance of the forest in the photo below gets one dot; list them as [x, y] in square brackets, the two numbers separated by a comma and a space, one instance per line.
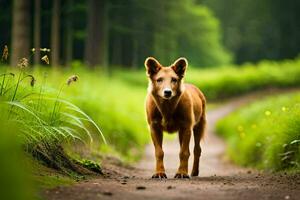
[73, 86]
[122, 33]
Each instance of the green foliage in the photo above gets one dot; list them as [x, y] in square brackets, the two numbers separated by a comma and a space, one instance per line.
[187, 29]
[232, 81]
[15, 183]
[265, 134]
[116, 103]
[89, 164]
[118, 108]
[255, 30]
[43, 117]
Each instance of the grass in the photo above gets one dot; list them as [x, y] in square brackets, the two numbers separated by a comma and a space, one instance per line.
[116, 103]
[48, 113]
[116, 106]
[266, 133]
[15, 183]
[228, 81]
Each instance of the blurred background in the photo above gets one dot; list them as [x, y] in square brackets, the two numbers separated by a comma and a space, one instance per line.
[122, 33]
[73, 84]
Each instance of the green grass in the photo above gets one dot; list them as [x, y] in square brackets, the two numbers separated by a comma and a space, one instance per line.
[15, 182]
[116, 106]
[228, 81]
[116, 103]
[265, 134]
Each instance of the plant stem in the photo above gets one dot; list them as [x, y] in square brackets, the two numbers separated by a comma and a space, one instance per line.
[17, 86]
[56, 102]
[2, 85]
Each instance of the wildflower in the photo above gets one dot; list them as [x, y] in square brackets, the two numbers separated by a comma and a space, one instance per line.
[283, 109]
[44, 50]
[268, 113]
[242, 134]
[33, 50]
[45, 59]
[23, 63]
[5, 53]
[71, 79]
[240, 128]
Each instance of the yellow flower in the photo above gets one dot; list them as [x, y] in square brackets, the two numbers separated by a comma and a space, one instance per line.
[283, 109]
[268, 113]
[242, 134]
[240, 128]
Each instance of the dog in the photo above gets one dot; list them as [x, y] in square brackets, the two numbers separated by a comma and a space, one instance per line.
[172, 105]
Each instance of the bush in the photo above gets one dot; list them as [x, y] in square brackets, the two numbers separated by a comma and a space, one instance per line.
[229, 81]
[266, 134]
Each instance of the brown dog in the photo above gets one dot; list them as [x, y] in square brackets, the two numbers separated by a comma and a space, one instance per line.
[173, 106]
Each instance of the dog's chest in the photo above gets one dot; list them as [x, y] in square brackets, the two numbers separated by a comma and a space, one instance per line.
[170, 124]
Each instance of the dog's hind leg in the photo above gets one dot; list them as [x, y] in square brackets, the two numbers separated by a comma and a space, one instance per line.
[198, 134]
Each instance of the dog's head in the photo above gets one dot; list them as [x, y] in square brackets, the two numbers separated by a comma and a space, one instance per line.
[166, 82]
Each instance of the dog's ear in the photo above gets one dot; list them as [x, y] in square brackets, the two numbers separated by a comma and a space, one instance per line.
[152, 66]
[180, 66]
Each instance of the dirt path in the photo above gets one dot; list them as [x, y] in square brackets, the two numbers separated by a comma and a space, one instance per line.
[218, 178]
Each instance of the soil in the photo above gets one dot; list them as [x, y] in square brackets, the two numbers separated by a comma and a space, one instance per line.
[219, 179]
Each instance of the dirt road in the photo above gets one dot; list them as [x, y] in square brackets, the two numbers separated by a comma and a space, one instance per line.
[218, 178]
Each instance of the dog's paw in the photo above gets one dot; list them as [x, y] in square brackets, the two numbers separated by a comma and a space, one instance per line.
[159, 176]
[195, 173]
[181, 176]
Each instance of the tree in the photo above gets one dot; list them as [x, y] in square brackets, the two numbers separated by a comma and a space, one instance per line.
[69, 34]
[20, 31]
[37, 31]
[255, 30]
[97, 27]
[55, 33]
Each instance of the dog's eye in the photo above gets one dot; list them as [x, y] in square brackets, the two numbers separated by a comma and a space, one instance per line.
[160, 80]
[174, 80]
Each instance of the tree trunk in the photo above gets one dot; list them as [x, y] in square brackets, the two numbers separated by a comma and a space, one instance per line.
[116, 50]
[20, 31]
[96, 41]
[69, 35]
[55, 33]
[37, 31]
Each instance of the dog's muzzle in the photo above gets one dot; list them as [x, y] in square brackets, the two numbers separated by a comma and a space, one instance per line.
[167, 93]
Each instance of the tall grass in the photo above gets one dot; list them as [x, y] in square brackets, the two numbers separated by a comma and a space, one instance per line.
[46, 121]
[117, 106]
[43, 116]
[265, 134]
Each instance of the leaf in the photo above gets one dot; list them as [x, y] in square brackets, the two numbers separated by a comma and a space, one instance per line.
[295, 141]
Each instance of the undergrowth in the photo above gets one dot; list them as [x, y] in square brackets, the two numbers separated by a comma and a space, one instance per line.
[46, 121]
[265, 134]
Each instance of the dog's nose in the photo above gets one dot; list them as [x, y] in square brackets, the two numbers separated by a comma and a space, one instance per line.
[167, 93]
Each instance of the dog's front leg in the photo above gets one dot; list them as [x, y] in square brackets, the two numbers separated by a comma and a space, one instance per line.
[184, 154]
[157, 138]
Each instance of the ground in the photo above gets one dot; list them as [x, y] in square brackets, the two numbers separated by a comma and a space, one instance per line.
[219, 179]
